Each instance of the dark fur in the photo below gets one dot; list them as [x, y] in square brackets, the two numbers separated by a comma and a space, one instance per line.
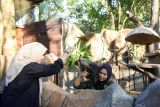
[93, 70]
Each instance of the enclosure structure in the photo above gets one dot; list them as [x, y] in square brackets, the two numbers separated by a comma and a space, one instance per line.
[151, 67]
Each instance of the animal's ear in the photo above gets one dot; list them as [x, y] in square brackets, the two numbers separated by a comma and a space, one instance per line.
[83, 38]
[87, 37]
[103, 32]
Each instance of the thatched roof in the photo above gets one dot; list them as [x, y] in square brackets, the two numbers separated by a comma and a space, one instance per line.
[143, 35]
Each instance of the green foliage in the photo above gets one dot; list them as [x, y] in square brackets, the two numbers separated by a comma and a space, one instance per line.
[50, 9]
[93, 15]
[82, 52]
[97, 17]
[140, 8]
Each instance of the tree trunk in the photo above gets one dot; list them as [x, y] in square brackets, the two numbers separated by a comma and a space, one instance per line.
[155, 23]
[112, 24]
[1, 38]
[154, 15]
[9, 39]
[119, 14]
[1, 30]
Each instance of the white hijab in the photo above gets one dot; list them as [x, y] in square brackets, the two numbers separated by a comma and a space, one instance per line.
[26, 54]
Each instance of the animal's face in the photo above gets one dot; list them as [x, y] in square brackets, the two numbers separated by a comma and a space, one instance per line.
[119, 42]
[106, 43]
[97, 46]
[71, 34]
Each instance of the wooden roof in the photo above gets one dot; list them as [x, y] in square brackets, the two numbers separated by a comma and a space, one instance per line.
[142, 35]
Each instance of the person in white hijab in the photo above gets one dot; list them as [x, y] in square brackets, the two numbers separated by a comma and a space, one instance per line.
[22, 86]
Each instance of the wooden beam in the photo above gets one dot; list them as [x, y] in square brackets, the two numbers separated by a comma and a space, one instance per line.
[137, 68]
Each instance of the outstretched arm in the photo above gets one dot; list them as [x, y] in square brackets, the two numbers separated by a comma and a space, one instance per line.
[36, 70]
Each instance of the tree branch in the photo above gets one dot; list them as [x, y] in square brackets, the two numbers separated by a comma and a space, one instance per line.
[134, 19]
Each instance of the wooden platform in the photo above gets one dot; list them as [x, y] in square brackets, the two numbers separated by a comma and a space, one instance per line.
[142, 35]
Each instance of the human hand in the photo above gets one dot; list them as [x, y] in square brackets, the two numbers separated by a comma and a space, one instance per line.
[49, 58]
[64, 57]
[84, 74]
[70, 49]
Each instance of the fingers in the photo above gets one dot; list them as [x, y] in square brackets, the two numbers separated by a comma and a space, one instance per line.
[85, 74]
[71, 49]
[64, 57]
